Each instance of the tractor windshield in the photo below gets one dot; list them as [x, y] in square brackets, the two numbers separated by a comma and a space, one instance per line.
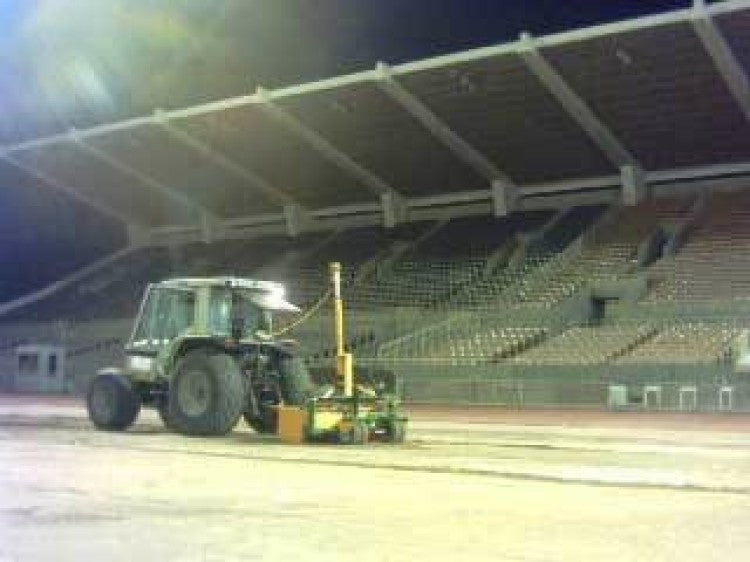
[233, 312]
[166, 314]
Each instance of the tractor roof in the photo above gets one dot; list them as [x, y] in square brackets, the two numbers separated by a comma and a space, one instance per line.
[229, 282]
[267, 294]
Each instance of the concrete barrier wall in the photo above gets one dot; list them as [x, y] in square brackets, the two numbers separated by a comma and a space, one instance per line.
[564, 385]
[89, 346]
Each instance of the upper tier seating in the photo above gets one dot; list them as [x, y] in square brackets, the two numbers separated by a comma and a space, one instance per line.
[498, 288]
[714, 263]
[611, 254]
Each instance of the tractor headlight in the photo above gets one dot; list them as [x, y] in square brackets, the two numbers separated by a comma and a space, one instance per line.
[140, 363]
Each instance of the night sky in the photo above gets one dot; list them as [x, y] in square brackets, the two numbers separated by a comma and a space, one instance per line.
[44, 234]
[365, 31]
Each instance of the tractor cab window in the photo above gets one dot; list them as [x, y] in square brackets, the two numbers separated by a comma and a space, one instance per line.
[166, 314]
[233, 313]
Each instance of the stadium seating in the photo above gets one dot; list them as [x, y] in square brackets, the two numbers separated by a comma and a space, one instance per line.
[687, 343]
[587, 345]
[714, 263]
[465, 340]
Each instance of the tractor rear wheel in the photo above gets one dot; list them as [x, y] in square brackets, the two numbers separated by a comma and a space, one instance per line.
[111, 402]
[206, 395]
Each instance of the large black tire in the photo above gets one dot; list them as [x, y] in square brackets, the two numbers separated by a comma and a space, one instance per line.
[111, 402]
[206, 395]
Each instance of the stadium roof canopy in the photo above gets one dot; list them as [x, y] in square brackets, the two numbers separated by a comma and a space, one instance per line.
[607, 109]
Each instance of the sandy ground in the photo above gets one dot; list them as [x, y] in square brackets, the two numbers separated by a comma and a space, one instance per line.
[468, 485]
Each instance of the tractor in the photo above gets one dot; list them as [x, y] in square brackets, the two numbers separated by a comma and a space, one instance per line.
[204, 354]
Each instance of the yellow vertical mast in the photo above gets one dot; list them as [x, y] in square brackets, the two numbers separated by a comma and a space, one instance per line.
[343, 359]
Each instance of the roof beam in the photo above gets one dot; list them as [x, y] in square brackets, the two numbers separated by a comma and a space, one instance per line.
[574, 105]
[580, 191]
[504, 190]
[566, 37]
[75, 194]
[314, 139]
[728, 6]
[113, 162]
[721, 54]
[227, 164]
[388, 83]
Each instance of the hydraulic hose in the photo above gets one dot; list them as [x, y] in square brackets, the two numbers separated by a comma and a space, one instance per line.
[304, 315]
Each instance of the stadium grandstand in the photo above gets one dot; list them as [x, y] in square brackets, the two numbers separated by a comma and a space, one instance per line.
[559, 220]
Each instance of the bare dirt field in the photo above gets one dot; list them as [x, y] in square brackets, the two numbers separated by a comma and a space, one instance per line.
[469, 484]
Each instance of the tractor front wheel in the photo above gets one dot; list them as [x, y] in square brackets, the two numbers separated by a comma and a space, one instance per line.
[206, 395]
[111, 402]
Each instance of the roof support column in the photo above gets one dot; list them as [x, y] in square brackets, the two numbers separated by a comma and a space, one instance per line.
[634, 187]
[207, 227]
[394, 209]
[504, 198]
[297, 220]
[730, 69]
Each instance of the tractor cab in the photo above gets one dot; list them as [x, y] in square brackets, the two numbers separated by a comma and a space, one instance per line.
[227, 309]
